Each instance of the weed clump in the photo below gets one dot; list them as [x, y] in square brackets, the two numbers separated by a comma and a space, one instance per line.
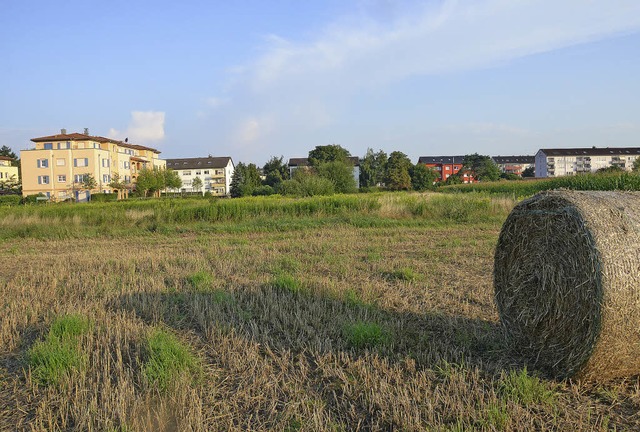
[59, 353]
[365, 335]
[168, 360]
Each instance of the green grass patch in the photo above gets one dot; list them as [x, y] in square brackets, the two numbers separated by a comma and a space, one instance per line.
[524, 389]
[168, 359]
[287, 282]
[59, 353]
[201, 281]
[403, 274]
[365, 335]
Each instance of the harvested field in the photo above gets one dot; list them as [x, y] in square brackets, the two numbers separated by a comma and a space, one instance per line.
[381, 320]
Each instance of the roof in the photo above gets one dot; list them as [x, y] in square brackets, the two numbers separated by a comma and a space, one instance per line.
[441, 159]
[195, 163]
[7, 158]
[83, 137]
[502, 160]
[355, 160]
[592, 151]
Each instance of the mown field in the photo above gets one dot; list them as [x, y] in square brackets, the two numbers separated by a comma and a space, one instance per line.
[343, 313]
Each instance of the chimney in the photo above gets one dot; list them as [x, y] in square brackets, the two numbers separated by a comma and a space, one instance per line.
[63, 131]
[86, 131]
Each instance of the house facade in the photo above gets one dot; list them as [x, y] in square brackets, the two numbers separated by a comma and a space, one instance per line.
[572, 161]
[514, 164]
[8, 173]
[295, 163]
[214, 172]
[446, 166]
[59, 164]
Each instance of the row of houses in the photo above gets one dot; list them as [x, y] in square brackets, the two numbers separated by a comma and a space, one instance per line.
[58, 165]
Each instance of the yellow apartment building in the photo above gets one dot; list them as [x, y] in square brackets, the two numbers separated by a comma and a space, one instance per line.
[59, 164]
[8, 173]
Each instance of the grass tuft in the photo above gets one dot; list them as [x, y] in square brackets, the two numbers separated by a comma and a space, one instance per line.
[168, 360]
[287, 282]
[201, 281]
[403, 274]
[365, 335]
[524, 389]
[59, 353]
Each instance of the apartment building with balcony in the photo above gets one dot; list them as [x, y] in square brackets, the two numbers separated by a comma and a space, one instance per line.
[8, 173]
[214, 172]
[59, 164]
[572, 161]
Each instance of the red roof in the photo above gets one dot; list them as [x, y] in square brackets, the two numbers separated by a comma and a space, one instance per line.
[6, 158]
[83, 137]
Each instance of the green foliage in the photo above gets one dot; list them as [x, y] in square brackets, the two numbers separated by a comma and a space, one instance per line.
[365, 335]
[524, 389]
[196, 184]
[529, 172]
[328, 153]
[422, 177]
[264, 190]
[482, 168]
[510, 176]
[59, 353]
[453, 179]
[10, 200]
[398, 177]
[403, 274]
[306, 183]
[168, 360]
[340, 174]
[104, 197]
[636, 165]
[32, 199]
[89, 182]
[610, 169]
[286, 282]
[6, 151]
[201, 281]
[373, 169]
[244, 180]
[275, 171]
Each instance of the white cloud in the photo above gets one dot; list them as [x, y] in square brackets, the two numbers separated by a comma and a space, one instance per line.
[145, 127]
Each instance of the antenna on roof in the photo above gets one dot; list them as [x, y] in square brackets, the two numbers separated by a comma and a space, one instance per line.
[126, 139]
[86, 131]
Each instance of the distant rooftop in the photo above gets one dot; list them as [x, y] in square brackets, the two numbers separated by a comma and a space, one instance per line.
[441, 159]
[82, 137]
[502, 160]
[592, 151]
[195, 163]
[7, 158]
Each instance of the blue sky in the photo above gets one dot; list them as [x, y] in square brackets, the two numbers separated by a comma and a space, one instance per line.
[253, 79]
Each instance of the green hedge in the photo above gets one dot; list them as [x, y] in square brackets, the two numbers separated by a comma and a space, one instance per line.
[10, 200]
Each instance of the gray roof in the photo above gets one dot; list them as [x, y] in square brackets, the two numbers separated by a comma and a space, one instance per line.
[592, 151]
[355, 160]
[501, 160]
[195, 163]
[441, 159]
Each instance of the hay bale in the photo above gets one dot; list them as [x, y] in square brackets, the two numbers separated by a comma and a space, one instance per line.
[567, 283]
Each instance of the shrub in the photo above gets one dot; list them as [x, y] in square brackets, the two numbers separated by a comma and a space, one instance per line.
[104, 197]
[9, 200]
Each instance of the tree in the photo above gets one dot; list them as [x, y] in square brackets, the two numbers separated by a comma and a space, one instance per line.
[422, 177]
[6, 151]
[149, 181]
[481, 167]
[196, 184]
[328, 153]
[373, 168]
[275, 171]
[529, 172]
[397, 177]
[340, 174]
[171, 180]
[244, 180]
[636, 165]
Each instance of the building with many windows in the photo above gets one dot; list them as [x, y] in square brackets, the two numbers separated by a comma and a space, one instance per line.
[446, 166]
[59, 164]
[514, 164]
[214, 173]
[8, 173]
[571, 161]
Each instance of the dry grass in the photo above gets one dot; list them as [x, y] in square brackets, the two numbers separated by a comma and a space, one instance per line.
[274, 358]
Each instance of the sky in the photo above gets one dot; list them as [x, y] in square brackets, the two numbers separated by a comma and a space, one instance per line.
[252, 79]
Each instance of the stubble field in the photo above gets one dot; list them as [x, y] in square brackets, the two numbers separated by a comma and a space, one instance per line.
[380, 318]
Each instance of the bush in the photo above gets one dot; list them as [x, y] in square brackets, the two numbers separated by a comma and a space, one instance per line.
[263, 190]
[32, 199]
[10, 200]
[104, 197]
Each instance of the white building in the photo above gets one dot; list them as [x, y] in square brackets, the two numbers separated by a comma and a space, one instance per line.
[571, 161]
[214, 172]
[514, 164]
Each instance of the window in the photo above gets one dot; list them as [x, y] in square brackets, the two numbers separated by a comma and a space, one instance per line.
[186, 173]
[105, 163]
[206, 171]
[82, 162]
[62, 178]
[127, 179]
[43, 163]
[60, 162]
[79, 178]
[48, 146]
[43, 179]
[65, 145]
[106, 178]
[198, 172]
[219, 172]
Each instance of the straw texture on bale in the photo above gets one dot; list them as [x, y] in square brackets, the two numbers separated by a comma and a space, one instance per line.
[567, 283]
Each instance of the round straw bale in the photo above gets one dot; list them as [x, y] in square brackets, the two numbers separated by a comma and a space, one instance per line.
[567, 283]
